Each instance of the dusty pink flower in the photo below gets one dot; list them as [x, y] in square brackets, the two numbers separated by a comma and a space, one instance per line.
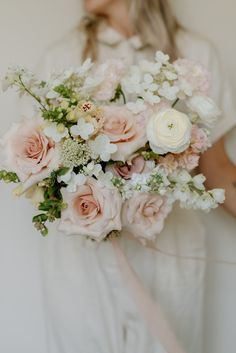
[125, 130]
[111, 72]
[135, 164]
[193, 73]
[29, 152]
[199, 140]
[143, 215]
[93, 210]
[188, 160]
[169, 163]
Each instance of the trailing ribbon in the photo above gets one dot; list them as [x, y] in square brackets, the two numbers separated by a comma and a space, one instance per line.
[151, 310]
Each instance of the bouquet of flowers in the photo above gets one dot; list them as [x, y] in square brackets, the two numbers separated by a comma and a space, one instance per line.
[111, 148]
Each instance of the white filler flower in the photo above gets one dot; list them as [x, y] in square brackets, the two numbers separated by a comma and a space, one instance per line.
[56, 131]
[137, 107]
[72, 180]
[169, 131]
[103, 147]
[82, 129]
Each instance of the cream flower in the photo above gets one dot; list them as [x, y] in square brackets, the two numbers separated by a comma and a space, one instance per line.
[169, 131]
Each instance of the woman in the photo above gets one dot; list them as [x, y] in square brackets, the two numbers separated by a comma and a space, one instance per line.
[88, 308]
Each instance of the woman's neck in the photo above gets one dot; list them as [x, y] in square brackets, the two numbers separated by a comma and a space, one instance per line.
[119, 19]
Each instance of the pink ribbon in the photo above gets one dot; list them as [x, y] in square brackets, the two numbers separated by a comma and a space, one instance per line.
[151, 310]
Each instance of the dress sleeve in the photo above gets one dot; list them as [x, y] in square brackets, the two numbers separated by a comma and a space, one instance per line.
[222, 93]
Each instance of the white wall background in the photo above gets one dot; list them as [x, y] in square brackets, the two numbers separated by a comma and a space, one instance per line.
[26, 28]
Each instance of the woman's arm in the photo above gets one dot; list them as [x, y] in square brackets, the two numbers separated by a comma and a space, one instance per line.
[220, 172]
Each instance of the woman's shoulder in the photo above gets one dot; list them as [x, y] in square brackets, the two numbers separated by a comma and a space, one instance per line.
[63, 53]
[196, 47]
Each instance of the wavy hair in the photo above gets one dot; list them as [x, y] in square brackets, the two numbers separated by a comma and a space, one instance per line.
[152, 20]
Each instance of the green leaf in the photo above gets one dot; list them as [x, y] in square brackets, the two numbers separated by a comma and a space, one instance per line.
[118, 94]
[62, 171]
[9, 177]
[64, 91]
[40, 218]
[44, 231]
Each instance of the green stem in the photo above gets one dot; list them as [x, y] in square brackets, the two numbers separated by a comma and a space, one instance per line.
[175, 102]
[123, 96]
[31, 93]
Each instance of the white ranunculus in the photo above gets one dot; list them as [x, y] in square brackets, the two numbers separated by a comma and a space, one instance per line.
[169, 131]
[205, 107]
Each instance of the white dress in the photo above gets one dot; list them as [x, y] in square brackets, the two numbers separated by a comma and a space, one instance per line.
[88, 309]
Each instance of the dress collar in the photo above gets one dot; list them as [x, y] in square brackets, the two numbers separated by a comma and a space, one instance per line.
[111, 37]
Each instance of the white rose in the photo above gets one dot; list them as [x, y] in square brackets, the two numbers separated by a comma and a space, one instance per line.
[206, 108]
[169, 131]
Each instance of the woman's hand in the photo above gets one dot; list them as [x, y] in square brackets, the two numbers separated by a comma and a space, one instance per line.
[220, 173]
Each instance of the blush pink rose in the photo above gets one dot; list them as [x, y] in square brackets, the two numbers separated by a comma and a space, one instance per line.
[135, 164]
[143, 215]
[195, 74]
[199, 140]
[125, 130]
[28, 152]
[111, 73]
[93, 210]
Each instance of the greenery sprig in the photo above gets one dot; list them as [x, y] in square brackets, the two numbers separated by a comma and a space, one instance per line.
[9, 177]
[53, 204]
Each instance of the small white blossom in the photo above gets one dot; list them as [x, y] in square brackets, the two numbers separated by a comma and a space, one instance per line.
[171, 76]
[52, 94]
[149, 84]
[82, 129]
[151, 98]
[150, 67]
[65, 178]
[206, 202]
[93, 169]
[132, 82]
[137, 107]
[185, 89]
[168, 91]
[139, 182]
[105, 179]
[198, 181]
[103, 147]
[91, 83]
[76, 180]
[218, 195]
[84, 68]
[72, 180]
[181, 177]
[161, 57]
[56, 132]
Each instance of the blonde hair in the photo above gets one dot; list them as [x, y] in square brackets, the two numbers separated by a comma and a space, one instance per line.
[153, 21]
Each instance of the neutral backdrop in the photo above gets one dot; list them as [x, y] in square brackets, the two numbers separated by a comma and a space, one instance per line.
[27, 27]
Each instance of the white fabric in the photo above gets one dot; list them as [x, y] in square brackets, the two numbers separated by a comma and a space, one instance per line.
[88, 309]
